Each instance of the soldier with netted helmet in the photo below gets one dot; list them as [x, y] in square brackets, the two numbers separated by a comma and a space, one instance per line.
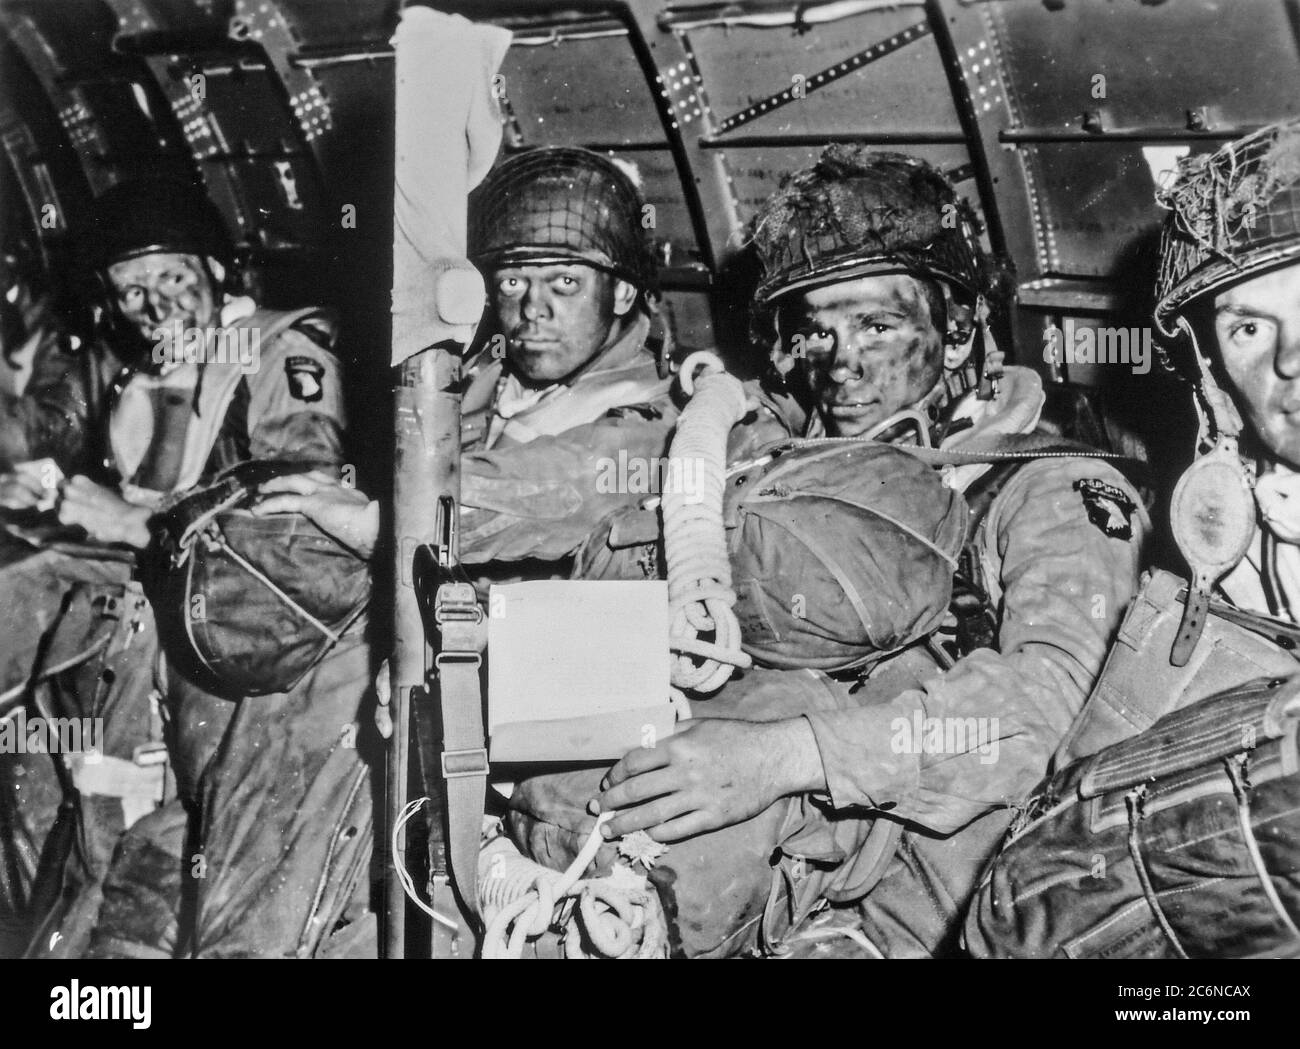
[875, 301]
[1203, 861]
[1228, 300]
[571, 376]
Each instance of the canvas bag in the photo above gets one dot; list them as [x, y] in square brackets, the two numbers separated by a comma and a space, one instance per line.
[247, 604]
[1180, 842]
[1139, 683]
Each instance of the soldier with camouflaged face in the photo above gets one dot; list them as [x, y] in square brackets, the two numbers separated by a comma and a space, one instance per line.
[876, 290]
[567, 384]
[190, 405]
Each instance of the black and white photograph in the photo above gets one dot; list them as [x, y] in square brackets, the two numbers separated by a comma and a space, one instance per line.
[651, 480]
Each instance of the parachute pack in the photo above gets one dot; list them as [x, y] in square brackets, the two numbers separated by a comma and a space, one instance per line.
[1171, 804]
[250, 603]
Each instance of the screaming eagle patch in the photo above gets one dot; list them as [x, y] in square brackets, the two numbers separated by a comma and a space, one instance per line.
[1109, 508]
[306, 378]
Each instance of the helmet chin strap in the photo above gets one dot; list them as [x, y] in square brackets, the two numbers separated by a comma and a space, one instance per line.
[988, 358]
[1217, 416]
[985, 357]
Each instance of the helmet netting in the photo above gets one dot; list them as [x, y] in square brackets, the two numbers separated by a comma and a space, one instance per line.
[857, 206]
[1232, 212]
[562, 202]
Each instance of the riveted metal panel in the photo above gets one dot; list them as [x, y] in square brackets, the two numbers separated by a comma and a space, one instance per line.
[1156, 61]
[882, 73]
[579, 91]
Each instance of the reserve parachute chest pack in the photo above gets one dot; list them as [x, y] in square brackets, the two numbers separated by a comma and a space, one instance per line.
[249, 604]
[1179, 842]
[840, 553]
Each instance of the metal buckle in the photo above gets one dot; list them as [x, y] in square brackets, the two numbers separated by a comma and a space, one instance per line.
[456, 764]
[147, 754]
[456, 602]
[468, 659]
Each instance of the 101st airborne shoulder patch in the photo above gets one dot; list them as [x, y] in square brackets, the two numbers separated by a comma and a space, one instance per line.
[1109, 508]
[306, 378]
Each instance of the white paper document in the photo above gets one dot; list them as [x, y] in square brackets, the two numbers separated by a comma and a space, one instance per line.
[577, 670]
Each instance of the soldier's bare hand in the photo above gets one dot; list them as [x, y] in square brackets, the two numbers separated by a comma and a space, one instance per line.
[20, 491]
[341, 512]
[103, 513]
[710, 774]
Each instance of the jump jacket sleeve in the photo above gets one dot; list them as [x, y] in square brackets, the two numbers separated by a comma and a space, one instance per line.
[51, 416]
[1060, 549]
[542, 499]
[296, 407]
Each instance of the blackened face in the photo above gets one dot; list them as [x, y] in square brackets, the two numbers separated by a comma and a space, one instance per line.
[155, 291]
[1257, 329]
[869, 345]
[556, 318]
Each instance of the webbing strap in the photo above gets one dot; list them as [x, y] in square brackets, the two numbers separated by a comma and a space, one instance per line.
[464, 764]
[1282, 633]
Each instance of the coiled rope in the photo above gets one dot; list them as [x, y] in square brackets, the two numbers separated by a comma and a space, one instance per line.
[518, 898]
[700, 597]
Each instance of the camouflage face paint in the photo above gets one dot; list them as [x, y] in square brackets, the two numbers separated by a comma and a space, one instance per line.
[556, 318]
[158, 291]
[869, 345]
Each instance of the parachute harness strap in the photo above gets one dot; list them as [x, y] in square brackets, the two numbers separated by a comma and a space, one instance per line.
[700, 596]
[518, 897]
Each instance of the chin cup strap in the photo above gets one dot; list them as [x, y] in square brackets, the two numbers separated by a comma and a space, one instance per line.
[1212, 513]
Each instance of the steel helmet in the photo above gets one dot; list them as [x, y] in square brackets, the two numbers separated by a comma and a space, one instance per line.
[156, 215]
[561, 204]
[1233, 213]
[857, 212]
